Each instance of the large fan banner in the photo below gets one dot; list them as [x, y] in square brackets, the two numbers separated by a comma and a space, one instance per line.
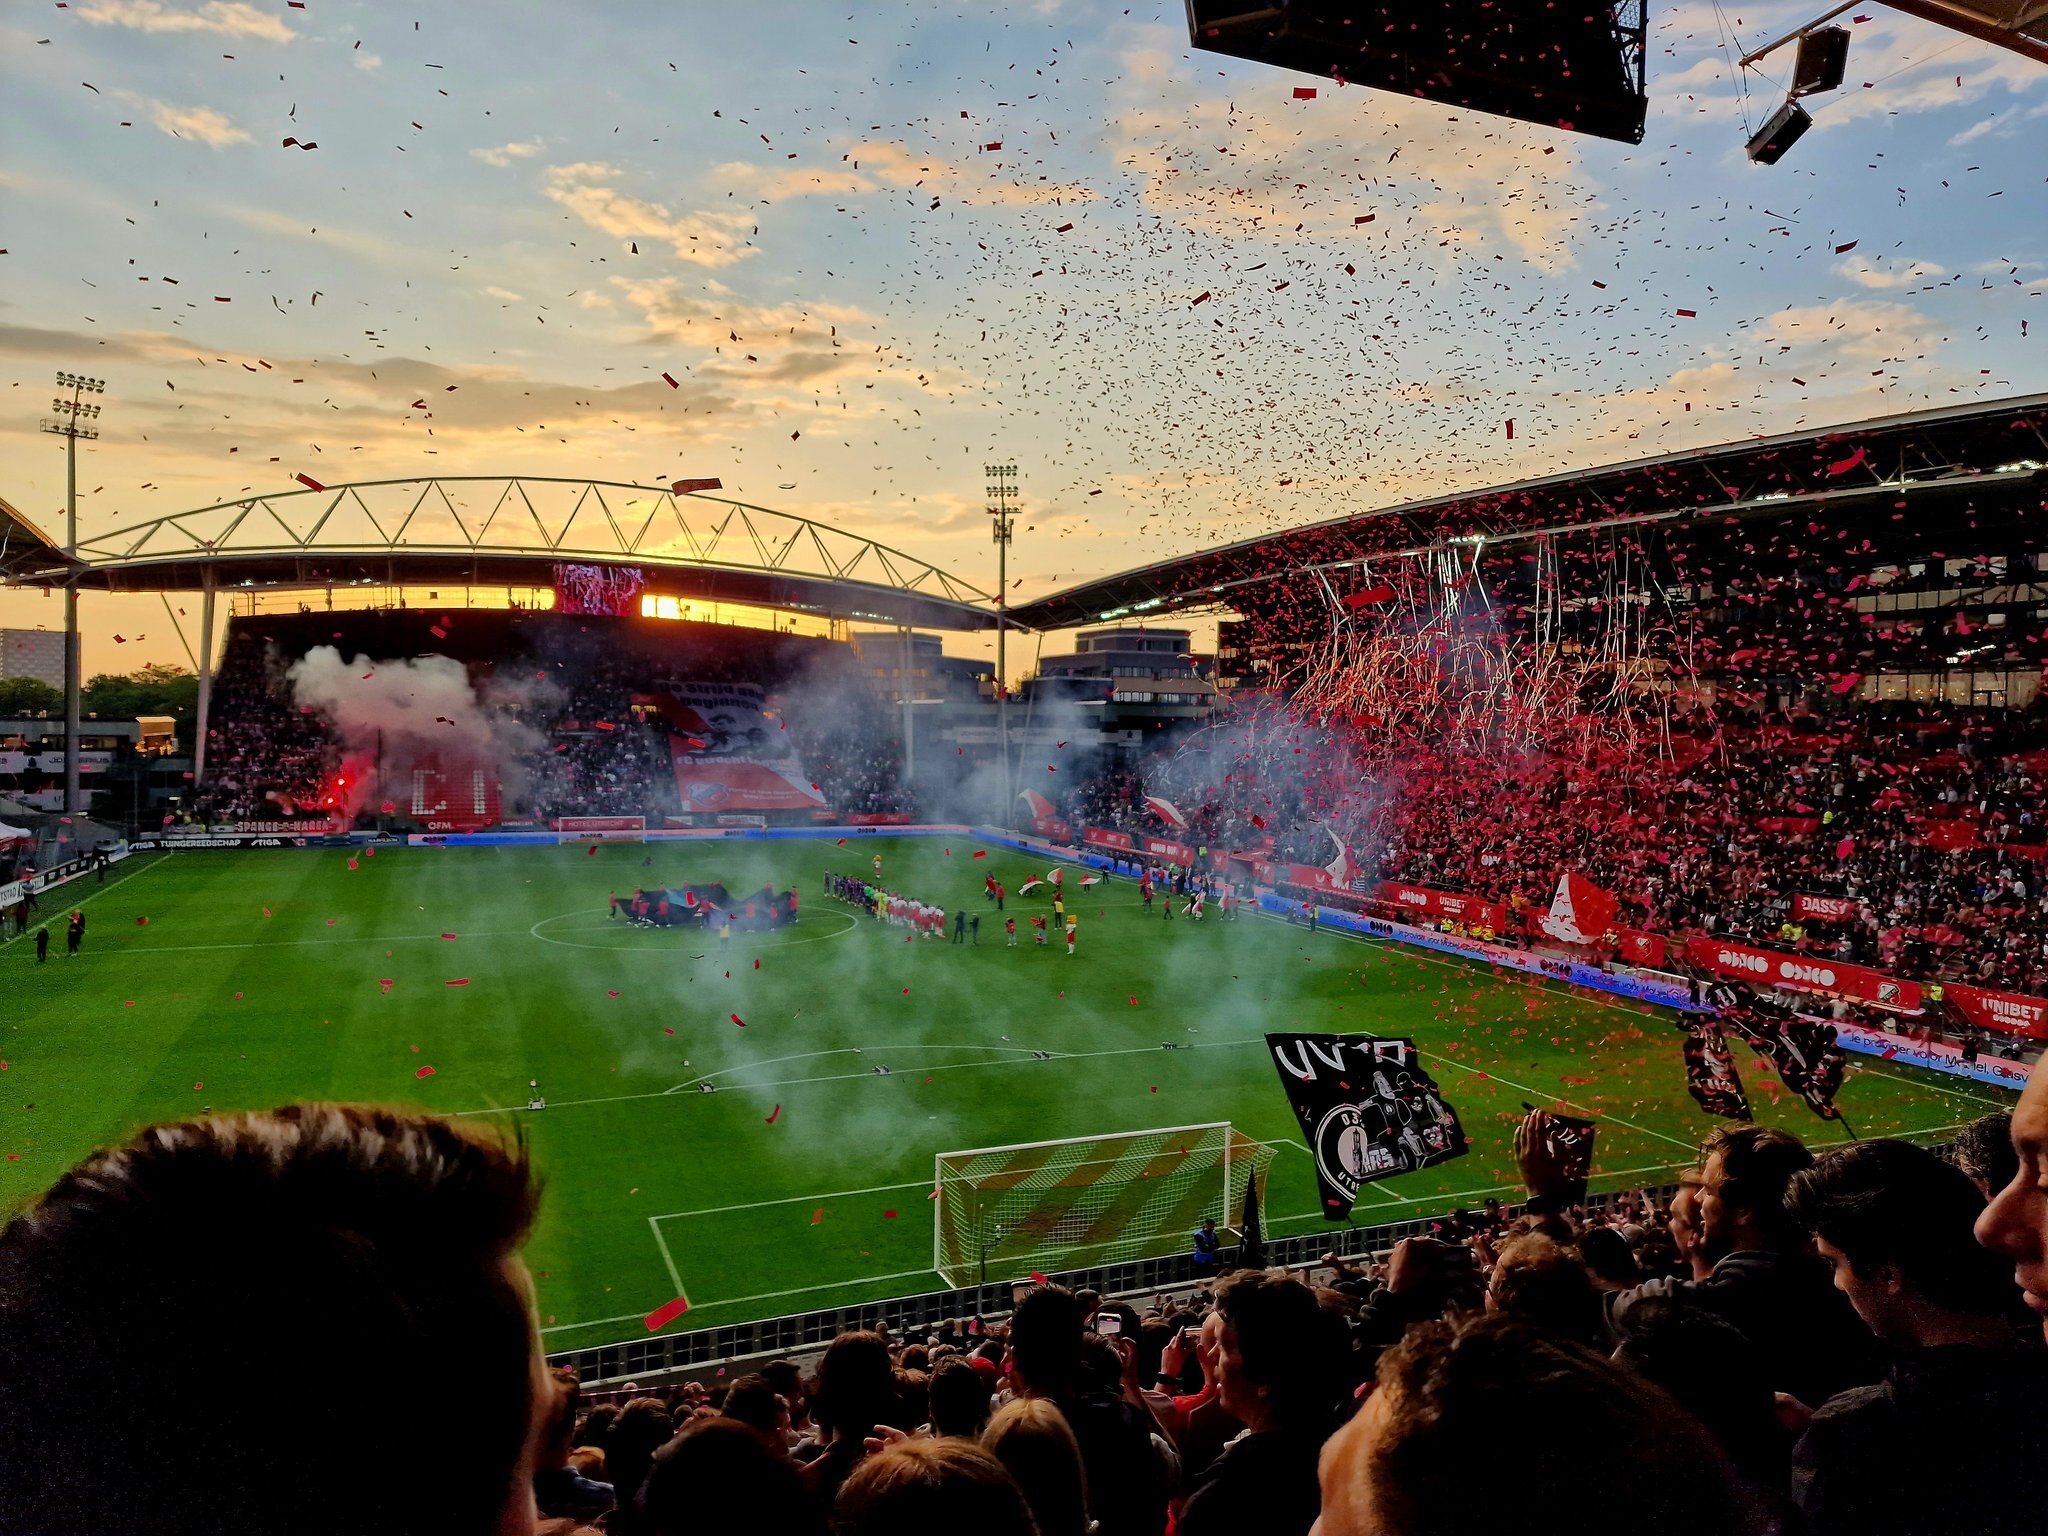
[1368, 1110]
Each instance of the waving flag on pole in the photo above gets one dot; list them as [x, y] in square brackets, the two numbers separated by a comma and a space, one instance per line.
[1167, 812]
[1036, 804]
[1345, 868]
[1580, 913]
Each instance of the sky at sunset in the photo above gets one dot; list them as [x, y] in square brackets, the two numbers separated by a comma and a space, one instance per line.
[877, 246]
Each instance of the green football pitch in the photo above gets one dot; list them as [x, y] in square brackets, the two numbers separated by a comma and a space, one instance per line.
[235, 980]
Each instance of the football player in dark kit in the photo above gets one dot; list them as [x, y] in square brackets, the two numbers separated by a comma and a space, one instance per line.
[74, 934]
[42, 945]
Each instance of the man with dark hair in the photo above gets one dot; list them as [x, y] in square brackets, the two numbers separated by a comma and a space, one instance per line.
[1277, 1375]
[158, 1298]
[1540, 1282]
[1762, 1279]
[1983, 1150]
[1895, 1221]
[1126, 1480]
[959, 1398]
[1715, 1374]
[1477, 1423]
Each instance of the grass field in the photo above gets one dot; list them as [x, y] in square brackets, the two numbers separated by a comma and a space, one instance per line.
[240, 980]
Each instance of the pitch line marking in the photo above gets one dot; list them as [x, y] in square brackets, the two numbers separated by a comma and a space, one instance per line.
[98, 891]
[855, 1050]
[666, 1258]
[757, 1205]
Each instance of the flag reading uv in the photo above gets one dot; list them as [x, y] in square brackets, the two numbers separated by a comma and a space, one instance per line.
[1368, 1110]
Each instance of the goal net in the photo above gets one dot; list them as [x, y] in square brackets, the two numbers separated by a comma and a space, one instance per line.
[1088, 1200]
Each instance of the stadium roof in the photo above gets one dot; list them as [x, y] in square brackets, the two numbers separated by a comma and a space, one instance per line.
[1959, 449]
[513, 531]
[25, 550]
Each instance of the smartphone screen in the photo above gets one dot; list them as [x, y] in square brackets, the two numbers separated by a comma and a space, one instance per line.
[1108, 1324]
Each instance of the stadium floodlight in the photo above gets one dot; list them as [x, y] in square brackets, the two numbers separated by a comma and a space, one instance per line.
[1004, 494]
[72, 420]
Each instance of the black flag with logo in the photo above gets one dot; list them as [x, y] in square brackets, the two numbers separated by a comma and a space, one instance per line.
[1570, 1143]
[1251, 1232]
[1802, 1049]
[1710, 1074]
[1367, 1108]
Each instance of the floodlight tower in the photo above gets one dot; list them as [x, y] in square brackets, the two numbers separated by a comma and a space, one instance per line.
[74, 419]
[1003, 500]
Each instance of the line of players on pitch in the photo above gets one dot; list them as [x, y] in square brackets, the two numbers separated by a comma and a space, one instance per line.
[1194, 891]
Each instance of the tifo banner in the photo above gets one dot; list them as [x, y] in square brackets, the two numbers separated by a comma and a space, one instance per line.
[1367, 1108]
[1454, 905]
[2007, 1012]
[1803, 973]
[1105, 837]
[730, 753]
[1826, 909]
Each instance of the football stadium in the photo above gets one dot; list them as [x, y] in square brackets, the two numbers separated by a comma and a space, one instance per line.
[1396, 952]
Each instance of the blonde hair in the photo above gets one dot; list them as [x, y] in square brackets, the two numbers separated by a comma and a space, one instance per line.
[1032, 1438]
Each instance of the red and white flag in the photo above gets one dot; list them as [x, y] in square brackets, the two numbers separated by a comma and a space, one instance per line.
[1167, 812]
[1580, 913]
[1036, 804]
[1344, 868]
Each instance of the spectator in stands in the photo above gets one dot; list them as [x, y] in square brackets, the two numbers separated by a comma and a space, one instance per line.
[1762, 1278]
[756, 1404]
[1479, 1424]
[642, 1428]
[1126, 1480]
[2015, 1223]
[1715, 1374]
[1543, 1284]
[856, 1394]
[1277, 1374]
[559, 1489]
[158, 1298]
[1032, 1441]
[718, 1475]
[932, 1488]
[1895, 1222]
[959, 1399]
[1983, 1150]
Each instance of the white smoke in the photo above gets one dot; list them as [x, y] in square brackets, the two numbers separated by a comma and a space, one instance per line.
[392, 714]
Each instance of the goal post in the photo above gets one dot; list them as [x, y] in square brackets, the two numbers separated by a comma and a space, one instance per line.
[1087, 1200]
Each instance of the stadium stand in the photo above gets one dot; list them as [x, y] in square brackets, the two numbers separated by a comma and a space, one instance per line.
[1790, 1342]
[590, 700]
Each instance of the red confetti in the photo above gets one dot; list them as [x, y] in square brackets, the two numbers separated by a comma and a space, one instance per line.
[1511, 429]
[309, 483]
[739, 1021]
[757, 965]
[1688, 314]
[981, 853]
[1364, 218]
[1843, 466]
[818, 1215]
[1841, 250]
[888, 1215]
[424, 1072]
[1200, 298]
[672, 384]
[462, 981]
[1304, 93]
[447, 935]
[1038, 1279]
[142, 922]
[772, 1118]
[666, 1313]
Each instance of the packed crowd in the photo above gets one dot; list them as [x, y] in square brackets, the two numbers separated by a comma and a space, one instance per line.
[1925, 826]
[1849, 1342]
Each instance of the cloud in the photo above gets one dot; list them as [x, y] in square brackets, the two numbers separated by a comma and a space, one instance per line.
[223, 18]
[209, 127]
[1899, 273]
[504, 293]
[504, 154]
[877, 165]
[706, 239]
[367, 62]
[755, 343]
